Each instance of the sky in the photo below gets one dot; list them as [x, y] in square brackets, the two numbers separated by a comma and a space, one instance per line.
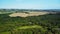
[29, 4]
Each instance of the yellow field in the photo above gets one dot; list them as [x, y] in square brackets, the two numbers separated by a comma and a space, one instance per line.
[29, 14]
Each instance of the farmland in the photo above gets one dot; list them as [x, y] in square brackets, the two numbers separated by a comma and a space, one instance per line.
[26, 14]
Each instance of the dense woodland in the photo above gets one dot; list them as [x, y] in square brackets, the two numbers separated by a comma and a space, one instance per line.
[48, 24]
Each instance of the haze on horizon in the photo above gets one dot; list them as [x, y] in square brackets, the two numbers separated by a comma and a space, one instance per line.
[29, 4]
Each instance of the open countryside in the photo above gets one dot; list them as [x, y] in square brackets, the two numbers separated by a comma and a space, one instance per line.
[27, 22]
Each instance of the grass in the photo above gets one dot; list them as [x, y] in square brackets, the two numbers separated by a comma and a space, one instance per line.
[28, 27]
[31, 27]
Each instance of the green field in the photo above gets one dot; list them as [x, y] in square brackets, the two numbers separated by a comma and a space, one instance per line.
[27, 27]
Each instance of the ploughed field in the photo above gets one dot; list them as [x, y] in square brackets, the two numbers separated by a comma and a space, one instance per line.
[30, 23]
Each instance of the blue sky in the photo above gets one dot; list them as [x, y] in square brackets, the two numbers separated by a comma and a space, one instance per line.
[29, 4]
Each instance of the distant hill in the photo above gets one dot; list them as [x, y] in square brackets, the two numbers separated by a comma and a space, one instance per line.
[4, 11]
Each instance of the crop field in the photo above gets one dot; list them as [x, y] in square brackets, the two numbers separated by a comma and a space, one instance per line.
[26, 14]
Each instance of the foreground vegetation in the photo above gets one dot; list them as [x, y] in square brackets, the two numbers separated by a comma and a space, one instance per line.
[43, 24]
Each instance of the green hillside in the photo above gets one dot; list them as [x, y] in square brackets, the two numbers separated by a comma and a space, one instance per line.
[43, 24]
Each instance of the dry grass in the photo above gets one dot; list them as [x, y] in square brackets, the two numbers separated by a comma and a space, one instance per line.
[28, 14]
